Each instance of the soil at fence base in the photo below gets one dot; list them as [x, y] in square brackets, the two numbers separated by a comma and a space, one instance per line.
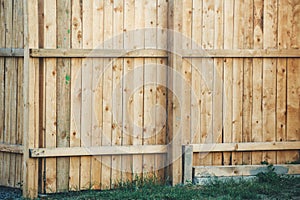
[7, 193]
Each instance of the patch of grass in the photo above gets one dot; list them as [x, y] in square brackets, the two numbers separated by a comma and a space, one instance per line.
[267, 185]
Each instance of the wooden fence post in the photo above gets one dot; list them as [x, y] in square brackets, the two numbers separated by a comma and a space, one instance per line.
[187, 163]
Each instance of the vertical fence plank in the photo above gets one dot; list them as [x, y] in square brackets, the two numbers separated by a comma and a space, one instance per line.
[293, 105]
[31, 102]
[42, 94]
[150, 70]
[207, 79]
[257, 80]
[97, 119]
[228, 76]
[50, 92]
[237, 81]
[161, 90]
[19, 36]
[293, 41]
[139, 42]
[75, 108]
[281, 94]
[196, 78]
[218, 81]
[161, 109]
[10, 99]
[12, 66]
[63, 92]
[128, 89]
[247, 86]
[86, 81]
[269, 77]
[117, 117]
[2, 88]
[107, 98]
[186, 71]
[175, 139]
[281, 79]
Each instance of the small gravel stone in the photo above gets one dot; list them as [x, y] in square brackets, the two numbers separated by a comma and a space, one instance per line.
[7, 193]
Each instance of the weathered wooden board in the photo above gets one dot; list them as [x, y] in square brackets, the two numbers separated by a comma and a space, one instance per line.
[100, 150]
[19, 43]
[161, 89]
[269, 78]
[242, 170]
[63, 11]
[218, 80]
[107, 98]
[86, 100]
[108, 73]
[2, 87]
[237, 80]
[228, 78]
[31, 101]
[117, 88]
[128, 89]
[75, 108]
[50, 92]
[97, 92]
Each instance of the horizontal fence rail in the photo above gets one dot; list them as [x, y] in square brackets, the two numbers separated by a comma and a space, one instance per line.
[157, 53]
[101, 150]
[11, 148]
[149, 53]
[11, 52]
[98, 53]
[246, 146]
[243, 170]
[241, 53]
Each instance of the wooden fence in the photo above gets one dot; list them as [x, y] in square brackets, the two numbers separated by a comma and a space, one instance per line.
[95, 92]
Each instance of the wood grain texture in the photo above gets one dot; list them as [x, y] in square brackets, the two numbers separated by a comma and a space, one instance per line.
[19, 43]
[138, 103]
[228, 77]
[161, 89]
[245, 146]
[293, 105]
[10, 97]
[269, 77]
[243, 170]
[150, 83]
[50, 92]
[107, 98]
[75, 108]
[237, 80]
[86, 81]
[175, 139]
[247, 86]
[207, 72]
[63, 12]
[31, 102]
[257, 81]
[100, 150]
[117, 88]
[128, 89]
[97, 92]
[218, 80]
[293, 41]
[196, 78]
[86, 100]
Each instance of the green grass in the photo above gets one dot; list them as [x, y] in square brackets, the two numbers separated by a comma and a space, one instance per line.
[265, 186]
